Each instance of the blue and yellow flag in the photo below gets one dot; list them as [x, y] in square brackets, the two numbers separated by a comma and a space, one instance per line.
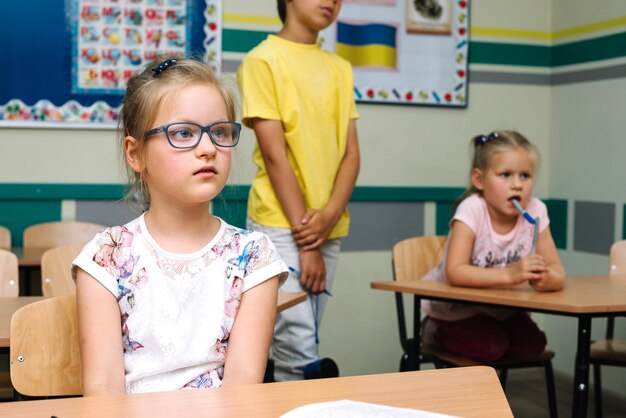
[367, 45]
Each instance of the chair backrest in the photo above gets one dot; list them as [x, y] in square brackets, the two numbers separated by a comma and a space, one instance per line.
[617, 258]
[56, 270]
[45, 355]
[53, 234]
[5, 237]
[9, 274]
[416, 256]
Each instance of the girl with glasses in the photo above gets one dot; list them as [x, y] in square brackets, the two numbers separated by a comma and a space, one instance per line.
[176, 298]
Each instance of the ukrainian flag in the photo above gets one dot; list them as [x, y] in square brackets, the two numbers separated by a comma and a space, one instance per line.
[367, 45]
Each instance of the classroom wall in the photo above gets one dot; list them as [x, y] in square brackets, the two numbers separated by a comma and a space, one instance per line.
[574, 125]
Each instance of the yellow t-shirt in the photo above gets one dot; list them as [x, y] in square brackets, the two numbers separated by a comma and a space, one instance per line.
[310, 91]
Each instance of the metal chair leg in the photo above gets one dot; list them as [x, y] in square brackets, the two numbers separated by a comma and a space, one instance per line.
[597, 389]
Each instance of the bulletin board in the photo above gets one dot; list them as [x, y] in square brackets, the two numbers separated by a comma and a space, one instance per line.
[412, 52]
[67, 61]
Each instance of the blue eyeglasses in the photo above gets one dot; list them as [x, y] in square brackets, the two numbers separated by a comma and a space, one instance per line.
[186, 135]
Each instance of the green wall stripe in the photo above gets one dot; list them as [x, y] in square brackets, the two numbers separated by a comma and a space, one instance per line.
[239, 40]
[509, 54]
[26, 204]
[557, 212]
[28, 191]
[443, 214]
[605, 47]
[17, 215]
[499, 53]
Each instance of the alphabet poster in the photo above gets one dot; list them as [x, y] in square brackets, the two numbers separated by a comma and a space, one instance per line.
[77, 77]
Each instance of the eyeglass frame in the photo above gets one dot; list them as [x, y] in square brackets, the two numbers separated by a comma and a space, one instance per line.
[203, 129]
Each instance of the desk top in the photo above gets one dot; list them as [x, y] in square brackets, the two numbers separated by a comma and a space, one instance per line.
[465, 391]
[581, 295]
[9, 305]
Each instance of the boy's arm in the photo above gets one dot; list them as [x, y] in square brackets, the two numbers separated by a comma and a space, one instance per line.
[273, 147]
[315, 226]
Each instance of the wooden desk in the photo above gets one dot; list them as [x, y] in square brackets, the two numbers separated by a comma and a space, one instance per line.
[584, 297]
[468, 392]
[288, 299]
[8, 306]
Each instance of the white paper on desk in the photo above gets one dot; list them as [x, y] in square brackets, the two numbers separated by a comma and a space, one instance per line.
[355, 409]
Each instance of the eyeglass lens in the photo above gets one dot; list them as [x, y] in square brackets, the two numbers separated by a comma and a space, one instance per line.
[187, 135]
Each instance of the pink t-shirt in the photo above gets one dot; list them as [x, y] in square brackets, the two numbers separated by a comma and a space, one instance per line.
[491, 250]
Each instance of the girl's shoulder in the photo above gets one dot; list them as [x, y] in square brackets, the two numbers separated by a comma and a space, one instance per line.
[471, 203]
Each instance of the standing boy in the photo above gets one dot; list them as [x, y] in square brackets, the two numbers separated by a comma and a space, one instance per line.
[299, 100]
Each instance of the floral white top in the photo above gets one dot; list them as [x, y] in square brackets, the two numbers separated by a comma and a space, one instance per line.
[177, 310]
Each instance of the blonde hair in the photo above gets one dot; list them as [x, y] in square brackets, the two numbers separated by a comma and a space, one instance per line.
[145, 93]
[486, 146]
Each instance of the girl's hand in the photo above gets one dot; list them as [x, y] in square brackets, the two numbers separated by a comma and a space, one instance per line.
[312, 271]
[314, 229]
[530, 268]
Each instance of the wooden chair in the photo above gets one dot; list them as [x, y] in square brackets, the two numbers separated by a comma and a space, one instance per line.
[609, 351]
[5, 237]
[9, 286]
[45, 356]
[53, 234]
[9, 274]
[412, 258]
[56, 273]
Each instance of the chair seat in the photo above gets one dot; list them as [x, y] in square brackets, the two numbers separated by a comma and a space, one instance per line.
[457, 360]
[614, 350]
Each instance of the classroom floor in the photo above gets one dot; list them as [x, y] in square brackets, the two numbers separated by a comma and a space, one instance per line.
[526, 393]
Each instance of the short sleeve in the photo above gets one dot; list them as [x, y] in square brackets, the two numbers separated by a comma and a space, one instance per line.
[258, 90]
[107, 257]
[468, 212]
[264, 262]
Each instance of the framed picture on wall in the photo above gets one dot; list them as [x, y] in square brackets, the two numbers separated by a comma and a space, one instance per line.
[410, 52]
[429, 16]
[77, 77]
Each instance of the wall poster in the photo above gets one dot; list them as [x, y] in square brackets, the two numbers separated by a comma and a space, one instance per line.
[106, 42]
[411, 52]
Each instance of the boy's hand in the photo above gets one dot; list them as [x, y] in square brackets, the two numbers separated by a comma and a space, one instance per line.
[314, 229]
[312, 271]
[531, 268]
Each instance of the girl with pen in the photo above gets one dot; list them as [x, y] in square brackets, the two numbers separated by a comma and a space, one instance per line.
[491, 245]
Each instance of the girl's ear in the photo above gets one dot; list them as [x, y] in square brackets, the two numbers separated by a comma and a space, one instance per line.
[477, 179]
[133, 153]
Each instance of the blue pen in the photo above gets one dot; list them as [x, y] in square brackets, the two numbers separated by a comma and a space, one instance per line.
[523, 212]
[297, 274]
[533, 221]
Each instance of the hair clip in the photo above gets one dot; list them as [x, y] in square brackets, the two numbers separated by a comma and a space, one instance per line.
[162, 67]
[484, 139]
